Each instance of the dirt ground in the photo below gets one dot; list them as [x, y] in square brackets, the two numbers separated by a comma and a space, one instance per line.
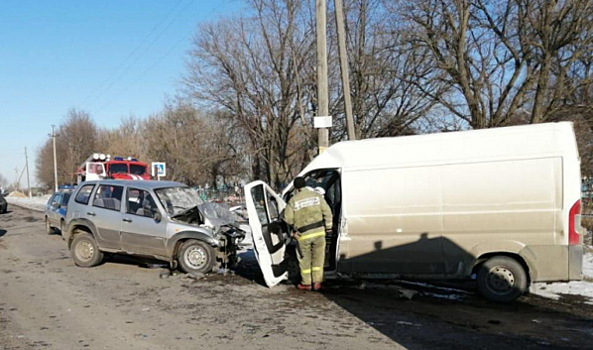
[46, 302]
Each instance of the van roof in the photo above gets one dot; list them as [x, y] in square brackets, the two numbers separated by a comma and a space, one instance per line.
[539, 140]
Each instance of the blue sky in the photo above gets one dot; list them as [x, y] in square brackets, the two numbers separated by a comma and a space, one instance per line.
[110, 58]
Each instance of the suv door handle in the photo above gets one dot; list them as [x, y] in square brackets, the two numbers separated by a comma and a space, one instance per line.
[91, 213]
[126, 220]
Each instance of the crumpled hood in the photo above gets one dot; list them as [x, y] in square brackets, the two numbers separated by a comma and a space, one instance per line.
[217, 216]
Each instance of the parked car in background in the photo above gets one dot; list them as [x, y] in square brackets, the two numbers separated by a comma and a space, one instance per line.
[3, 204]
[55, 211]
[159, 219]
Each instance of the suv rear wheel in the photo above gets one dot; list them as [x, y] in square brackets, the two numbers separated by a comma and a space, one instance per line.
[502, 279]
[195, 257]
[84, 251]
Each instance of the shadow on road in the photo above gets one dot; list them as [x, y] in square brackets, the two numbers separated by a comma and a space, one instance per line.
[451, 320]
[143, 262]
[2, 232]
[248, 268]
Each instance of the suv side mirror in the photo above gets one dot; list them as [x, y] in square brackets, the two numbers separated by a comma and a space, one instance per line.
[55, 205]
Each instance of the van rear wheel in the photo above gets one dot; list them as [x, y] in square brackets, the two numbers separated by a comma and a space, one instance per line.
[502, 279]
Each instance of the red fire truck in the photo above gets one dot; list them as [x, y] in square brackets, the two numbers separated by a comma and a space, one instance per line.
[103, 166]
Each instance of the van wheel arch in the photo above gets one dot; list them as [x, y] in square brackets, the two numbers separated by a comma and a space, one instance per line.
[484, 257]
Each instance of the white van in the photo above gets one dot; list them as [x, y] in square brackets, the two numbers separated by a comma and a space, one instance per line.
[503, 204]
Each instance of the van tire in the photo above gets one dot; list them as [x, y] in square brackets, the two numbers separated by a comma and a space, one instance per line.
[502, 279]
[196, 257]
[84, 251]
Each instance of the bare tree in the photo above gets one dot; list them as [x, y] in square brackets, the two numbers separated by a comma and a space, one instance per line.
[257, 70]
[197, 148]
[392, 81]
[502, 57]
[127, 140]
[78, 139]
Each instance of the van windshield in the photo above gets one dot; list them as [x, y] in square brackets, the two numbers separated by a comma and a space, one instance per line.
[178, 199]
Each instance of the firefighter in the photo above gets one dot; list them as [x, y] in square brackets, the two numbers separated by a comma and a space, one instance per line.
[310, 217]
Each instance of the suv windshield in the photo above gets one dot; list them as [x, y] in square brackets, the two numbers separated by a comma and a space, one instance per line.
[178, 199]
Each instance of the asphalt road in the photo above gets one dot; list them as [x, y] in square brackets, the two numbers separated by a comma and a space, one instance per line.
[46, 302]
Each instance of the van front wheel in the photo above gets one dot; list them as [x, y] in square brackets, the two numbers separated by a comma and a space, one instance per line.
[502, 279]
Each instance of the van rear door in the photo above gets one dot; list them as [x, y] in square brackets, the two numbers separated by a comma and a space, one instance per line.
[264, 208]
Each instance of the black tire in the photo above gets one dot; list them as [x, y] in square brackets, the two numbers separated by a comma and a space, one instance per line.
[84, 250]
[48, 229]
[196, 257]
[292, 265]
[502, 279]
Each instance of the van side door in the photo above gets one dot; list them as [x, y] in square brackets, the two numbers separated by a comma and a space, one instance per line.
[264, 207]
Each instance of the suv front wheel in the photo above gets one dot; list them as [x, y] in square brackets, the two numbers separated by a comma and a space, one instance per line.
[195, 257]
[85, 251]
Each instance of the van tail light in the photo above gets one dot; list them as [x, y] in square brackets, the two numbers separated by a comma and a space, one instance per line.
[574, 223]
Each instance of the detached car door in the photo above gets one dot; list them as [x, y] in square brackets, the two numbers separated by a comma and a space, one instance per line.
[264, 207]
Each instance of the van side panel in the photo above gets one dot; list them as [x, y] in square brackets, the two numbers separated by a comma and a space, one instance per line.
[394, 220]
[504, 204]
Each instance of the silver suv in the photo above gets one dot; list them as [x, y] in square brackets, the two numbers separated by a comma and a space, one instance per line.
[160, 219]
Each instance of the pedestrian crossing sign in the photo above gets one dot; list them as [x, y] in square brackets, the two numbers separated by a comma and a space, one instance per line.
[159, 169]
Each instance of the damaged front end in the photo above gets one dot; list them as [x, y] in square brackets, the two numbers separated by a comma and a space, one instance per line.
[229, 238]
[227, 233]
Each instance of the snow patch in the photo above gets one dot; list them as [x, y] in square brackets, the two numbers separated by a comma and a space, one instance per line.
[35, 203]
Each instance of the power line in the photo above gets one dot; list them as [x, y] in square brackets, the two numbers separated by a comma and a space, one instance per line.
[157, 61]
[138, 57]
[125, 60]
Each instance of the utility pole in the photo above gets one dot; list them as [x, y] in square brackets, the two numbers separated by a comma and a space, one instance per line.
[16, 179]
[322, 94]
[28, 177]
[339, 8]
[53, 135]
